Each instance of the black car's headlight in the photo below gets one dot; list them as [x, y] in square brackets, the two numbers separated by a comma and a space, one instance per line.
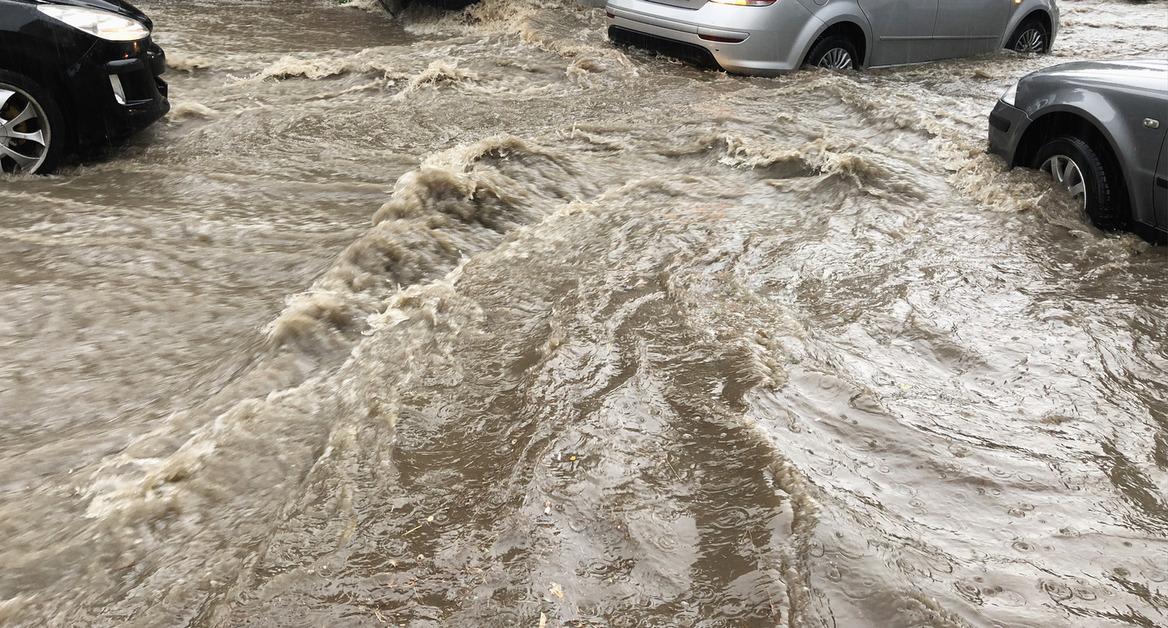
[103, 24]
[1010, 95]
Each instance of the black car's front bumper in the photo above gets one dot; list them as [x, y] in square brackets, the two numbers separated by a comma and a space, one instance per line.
[117, 90]
[1007, 124]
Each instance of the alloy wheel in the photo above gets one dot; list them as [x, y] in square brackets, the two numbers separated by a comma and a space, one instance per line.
[24, 131]
[1031, 41]
[836, 59]
[1065, 172]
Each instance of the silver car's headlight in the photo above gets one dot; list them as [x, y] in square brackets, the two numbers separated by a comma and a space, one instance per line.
[103, 24]
[1010, 95]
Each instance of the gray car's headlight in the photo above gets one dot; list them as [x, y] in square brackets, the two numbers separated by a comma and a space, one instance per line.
[1010, 95]
[103, 24]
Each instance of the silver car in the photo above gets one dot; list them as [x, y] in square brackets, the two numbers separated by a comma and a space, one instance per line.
[774, 36]
[1098, 129]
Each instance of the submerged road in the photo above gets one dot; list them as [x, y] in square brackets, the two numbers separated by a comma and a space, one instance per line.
[475, 320]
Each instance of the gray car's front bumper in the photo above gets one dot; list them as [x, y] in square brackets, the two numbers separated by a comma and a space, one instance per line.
[1007, 124]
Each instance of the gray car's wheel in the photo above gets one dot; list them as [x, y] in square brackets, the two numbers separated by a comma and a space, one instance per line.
[833, 53]
[1031, 37]
[1079, 169]
[31, 127]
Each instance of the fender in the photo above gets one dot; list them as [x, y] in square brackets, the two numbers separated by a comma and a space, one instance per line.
[829, 15]
[1025, 10]
[28, 55]
[1093, 107]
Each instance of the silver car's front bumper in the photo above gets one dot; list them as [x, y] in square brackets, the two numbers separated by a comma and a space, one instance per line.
[773, 38]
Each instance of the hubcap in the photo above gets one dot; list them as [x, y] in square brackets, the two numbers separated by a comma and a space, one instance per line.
[1030, 41]
[24, 131]
[1065, 172]
[837, 59]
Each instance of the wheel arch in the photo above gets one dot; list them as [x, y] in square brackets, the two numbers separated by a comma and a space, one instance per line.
[20, 57]
[1041, 13]
[849, 26]
[1060, 120]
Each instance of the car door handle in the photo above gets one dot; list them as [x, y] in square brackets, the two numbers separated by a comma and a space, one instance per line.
[1162, 182]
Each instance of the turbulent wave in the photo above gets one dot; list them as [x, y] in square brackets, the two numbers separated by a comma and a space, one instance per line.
[826, 159]
[626, 341]
[439, 214]
[438, 73]
[187, 63]
[187, 110]
[373, 6]
[316, 67]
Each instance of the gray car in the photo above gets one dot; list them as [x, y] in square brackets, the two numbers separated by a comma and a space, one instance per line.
[1099, 130]
[774, 36]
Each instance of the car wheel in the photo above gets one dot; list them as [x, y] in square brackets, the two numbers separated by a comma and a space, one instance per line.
[1032, 37]
[31, 127]
[833, 53]
[1079, 169]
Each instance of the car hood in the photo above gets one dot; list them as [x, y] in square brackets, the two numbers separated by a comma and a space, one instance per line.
[121, 7]
[1149, 75]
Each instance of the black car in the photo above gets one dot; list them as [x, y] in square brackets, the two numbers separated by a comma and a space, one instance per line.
[74, 74]
[1099, 129]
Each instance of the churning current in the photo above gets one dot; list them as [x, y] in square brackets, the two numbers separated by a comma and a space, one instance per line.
[473, 319]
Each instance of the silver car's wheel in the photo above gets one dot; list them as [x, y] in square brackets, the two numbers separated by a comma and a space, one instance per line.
[1031, 41]
[1066, 173]
[837, 59]
[25, 132]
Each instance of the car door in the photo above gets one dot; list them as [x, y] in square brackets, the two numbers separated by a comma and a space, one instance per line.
[970, 27]
[903, 30]
[1160, 188]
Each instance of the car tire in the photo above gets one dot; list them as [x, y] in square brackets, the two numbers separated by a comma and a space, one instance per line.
[395, 7]
[19, 94]
[1070, 161]
[1031, 37]
[833, 52]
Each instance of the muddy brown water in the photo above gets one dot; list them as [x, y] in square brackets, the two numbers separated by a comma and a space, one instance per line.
[475, 320]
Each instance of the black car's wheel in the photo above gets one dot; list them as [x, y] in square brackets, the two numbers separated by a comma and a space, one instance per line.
[1031, 37]
[833, 53]
[1077, 167]
[394, 7]
[32, 129]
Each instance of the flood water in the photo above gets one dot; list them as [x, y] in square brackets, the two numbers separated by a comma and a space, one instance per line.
[475, 320]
